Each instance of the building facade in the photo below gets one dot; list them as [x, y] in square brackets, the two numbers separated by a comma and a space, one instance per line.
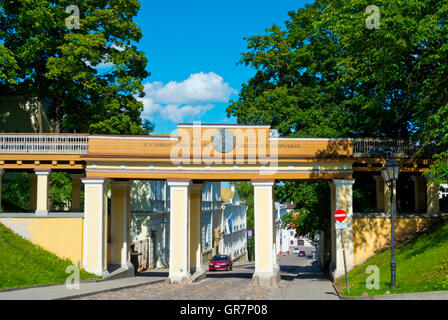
[233, 224]
[150, 220]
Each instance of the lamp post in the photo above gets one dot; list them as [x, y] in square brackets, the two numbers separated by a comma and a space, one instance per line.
[390, 173]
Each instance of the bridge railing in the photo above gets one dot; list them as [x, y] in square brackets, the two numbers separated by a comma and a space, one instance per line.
[22, 143]
[372, 147]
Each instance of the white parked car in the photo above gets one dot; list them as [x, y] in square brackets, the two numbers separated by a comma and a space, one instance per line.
[296, 250]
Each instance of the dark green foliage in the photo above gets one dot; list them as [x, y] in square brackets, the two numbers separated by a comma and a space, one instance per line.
[312, 201]
[92, 75]
[325, 74]
[60, 190]
[15, 192]
[364, 192]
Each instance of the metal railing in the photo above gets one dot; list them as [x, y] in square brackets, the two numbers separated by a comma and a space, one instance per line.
[371, 147]
[22, 143]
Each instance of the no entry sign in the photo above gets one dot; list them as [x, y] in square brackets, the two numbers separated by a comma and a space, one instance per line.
[340, 215]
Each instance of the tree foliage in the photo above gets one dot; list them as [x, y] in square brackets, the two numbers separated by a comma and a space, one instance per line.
[326, 73]
[15, 192]
[312, 206]
[92, 74]
[60, 190]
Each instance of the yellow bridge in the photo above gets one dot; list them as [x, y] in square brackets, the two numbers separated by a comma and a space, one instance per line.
[196, 153]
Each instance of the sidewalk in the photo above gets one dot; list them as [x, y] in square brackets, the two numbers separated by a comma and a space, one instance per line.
[61, 291]
[311, 284]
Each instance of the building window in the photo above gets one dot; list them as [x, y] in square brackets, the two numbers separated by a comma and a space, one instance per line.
[292, 242]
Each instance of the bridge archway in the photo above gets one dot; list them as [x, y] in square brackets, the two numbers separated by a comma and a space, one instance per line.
[197, 153]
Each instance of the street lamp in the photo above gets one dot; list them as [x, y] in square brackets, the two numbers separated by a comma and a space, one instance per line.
[390, 174]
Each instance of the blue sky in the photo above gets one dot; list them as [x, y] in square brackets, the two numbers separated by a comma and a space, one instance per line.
[192, 48]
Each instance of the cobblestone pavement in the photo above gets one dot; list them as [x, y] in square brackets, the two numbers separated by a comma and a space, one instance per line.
[218, 285]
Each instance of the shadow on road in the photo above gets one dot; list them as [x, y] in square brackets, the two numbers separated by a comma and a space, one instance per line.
[152, 273]
[288, 272]
[222, 275]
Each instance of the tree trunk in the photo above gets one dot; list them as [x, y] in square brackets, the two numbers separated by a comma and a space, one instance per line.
[40, 127]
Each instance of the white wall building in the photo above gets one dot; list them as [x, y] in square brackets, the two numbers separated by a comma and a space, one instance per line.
[150, 218]
[233, 228]
[211, 206]
[234, 241]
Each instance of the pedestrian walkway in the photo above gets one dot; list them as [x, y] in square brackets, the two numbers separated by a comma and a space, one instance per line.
[85, 288]
[311, 284]
[302, 279]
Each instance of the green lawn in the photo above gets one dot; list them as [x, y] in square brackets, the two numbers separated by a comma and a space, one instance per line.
[22, 263]
[422, 265]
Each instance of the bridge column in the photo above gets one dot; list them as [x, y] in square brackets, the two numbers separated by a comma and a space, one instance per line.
[379, 193]
[95, 226]
[179, 230]
[195, 228]
[1, 175]
[342, 198]
[419, 193]
[267, 271]
[43, 175]
[76, 192]
[432, 195]
[120, 223]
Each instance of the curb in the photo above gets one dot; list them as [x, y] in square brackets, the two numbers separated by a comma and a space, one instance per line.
[341, 297]
[47, 285]
[109, 290]
[380, 296]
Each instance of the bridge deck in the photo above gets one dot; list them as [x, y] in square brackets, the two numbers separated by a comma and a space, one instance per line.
[191, 154]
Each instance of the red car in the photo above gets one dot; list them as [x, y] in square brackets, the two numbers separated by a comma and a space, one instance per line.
[301, 253]
[220, 262]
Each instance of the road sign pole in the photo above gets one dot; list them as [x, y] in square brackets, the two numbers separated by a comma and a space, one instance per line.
[345, 264]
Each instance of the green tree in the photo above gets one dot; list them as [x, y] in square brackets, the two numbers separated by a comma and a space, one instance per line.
[328, 74]
[15, 192]
[312, 206]
[92, 75]
[60, 190]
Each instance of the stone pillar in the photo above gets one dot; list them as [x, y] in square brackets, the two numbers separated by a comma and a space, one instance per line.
[43, 175]
[95, 226]
[120, 224]
[419, 193]
[343, 199]
[179, 230]
[33, 192]
[379, 193]
[267, 271]
[1, 175]
[432, 195]
[76, 192]
[195, 229]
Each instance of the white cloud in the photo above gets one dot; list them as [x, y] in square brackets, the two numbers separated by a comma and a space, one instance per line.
[193, 97]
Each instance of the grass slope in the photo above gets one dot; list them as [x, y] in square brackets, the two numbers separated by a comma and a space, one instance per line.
[422, 265]
[22, 263]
